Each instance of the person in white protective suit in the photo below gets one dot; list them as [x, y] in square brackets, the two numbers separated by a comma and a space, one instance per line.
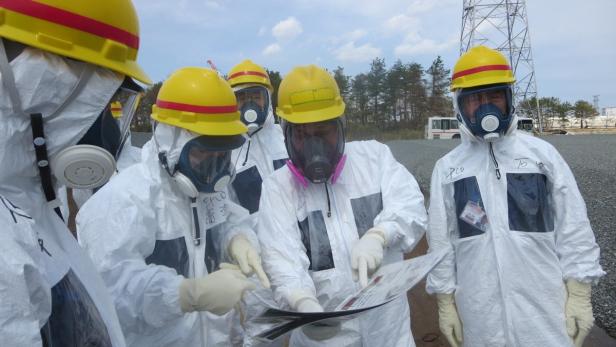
[61, 65]
[160, 230]
[523, 253]
[262, 153]
[336, 211]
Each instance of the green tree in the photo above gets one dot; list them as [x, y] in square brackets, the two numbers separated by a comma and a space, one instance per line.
[376, 80]
[563, 109]
[343, 81]
[583, 109]
[359, 98]
[394, 92]
[417, 94]
[439, 102]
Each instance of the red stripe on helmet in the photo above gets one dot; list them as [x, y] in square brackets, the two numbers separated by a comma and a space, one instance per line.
[248, 73]
[71, 20]
[195, 108]
[480, 69]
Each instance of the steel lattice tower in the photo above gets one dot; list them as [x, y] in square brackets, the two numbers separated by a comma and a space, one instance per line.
[503, 25]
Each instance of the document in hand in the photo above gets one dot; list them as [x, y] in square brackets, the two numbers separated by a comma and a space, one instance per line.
[385, 285]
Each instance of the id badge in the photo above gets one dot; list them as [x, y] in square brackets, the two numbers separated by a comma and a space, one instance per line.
[215, 209]
[474, 215]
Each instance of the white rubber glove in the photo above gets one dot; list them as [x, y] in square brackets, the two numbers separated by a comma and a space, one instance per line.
[318, 331]
[578, 311]
[248, 258]
[218, 292]
[449, 320]
[367, 255]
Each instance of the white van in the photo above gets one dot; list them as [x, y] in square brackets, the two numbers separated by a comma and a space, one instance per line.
[442, 128]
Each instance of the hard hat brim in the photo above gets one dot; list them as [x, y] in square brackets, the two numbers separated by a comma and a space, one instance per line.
[314, 116]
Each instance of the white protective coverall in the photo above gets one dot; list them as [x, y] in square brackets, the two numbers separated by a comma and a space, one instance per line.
[266, 153]
[139, 229]
[263, 153]
[50, 290]
[306, 251]
[508, 271]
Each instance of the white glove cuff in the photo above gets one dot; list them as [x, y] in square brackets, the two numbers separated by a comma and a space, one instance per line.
[577, 288]
[377, 233]
[186, 295]
[445, 299]
[297, 296]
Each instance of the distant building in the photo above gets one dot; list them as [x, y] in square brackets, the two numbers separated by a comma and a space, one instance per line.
[609, 112]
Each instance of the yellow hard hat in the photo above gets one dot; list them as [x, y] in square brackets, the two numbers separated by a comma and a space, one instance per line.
[199, 100]
[481, 66]
[248, 72]
[116, 109]
[104, 33]
[309, 94]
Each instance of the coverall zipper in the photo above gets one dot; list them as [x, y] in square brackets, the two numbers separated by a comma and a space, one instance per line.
[498, 174]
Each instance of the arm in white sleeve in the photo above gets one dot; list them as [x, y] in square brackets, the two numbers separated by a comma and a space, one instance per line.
[441, 279]
[25, 294]
[118, 231]
[575, 242]
[283, 253]
[403, 219]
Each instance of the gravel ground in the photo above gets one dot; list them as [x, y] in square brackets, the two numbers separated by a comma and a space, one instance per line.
[593, 161]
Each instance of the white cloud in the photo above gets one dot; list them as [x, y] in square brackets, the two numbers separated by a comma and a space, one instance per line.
[351, 53]
[272, 49]
[416, 45]
[356, 34]
[287, 29]
[348, 37]
[402, 23]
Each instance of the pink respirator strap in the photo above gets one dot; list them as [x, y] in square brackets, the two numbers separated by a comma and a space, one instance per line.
[339, 168]
[297, 174]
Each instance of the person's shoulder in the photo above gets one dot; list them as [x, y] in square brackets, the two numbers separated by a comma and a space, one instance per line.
[133, 179]
[535, 143]
[366, 148]
[281, 176]
[281, 183]
[129, 187]
[458, 153]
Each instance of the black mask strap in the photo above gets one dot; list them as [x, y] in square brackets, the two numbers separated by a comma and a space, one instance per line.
[42, 161]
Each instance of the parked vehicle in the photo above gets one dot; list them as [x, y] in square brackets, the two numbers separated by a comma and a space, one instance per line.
[442, 128]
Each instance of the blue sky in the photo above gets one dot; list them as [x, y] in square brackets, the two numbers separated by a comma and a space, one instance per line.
[574, 42]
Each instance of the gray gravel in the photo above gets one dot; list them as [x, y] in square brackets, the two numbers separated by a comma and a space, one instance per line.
[592, 159]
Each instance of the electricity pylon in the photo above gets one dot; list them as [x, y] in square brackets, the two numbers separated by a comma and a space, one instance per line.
[503, 25]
